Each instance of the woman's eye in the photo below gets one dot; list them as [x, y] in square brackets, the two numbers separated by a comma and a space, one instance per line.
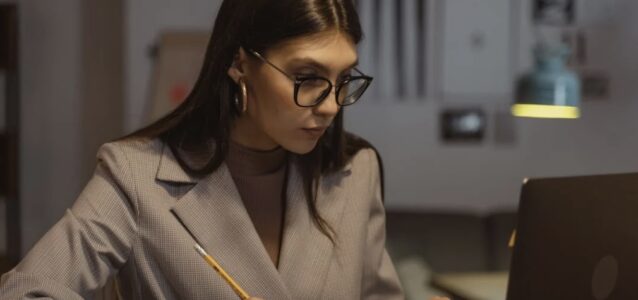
[345, 77]
[306, 75]
[313, 82]
[306, 71]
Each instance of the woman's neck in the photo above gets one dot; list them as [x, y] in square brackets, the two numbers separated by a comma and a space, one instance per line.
[247, 134]
[243, 161]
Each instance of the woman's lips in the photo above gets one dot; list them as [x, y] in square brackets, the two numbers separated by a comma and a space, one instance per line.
[314, 132]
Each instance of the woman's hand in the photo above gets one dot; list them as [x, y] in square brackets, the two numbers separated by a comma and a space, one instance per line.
[255, 298]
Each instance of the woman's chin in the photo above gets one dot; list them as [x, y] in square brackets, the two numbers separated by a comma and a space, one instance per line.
[300, 147]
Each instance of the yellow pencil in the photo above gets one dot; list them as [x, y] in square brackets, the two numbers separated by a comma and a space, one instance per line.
[238, 290]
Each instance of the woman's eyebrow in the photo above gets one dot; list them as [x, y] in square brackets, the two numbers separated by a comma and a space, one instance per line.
[318, 65]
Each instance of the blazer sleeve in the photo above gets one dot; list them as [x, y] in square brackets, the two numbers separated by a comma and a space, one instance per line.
[380, 279]
[90, 243]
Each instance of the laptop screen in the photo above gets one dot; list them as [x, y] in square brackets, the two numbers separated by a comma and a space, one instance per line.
[577, 238]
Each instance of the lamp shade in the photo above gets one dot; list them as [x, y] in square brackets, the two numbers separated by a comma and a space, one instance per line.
[550, 90]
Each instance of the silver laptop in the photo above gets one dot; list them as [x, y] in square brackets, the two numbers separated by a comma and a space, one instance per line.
[577, 238]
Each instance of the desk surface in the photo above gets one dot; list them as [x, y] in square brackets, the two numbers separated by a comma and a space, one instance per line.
[473, 286]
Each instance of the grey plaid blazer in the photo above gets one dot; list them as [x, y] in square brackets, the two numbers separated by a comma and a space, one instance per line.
[141, 213]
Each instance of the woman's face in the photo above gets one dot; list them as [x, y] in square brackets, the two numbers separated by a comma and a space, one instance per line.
[272, 118]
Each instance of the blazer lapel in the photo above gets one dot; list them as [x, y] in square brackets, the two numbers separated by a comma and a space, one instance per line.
[212, 211]
[306, 252]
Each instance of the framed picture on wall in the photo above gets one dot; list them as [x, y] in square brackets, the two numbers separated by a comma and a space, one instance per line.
[177, 64]
[555, 12]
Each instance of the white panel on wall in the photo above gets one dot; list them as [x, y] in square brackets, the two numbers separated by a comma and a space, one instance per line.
[366, 54]
[408, 82]
[387, 73]
[394, 49]
[475, 48]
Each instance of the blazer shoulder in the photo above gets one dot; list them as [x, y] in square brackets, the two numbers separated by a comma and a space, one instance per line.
[363, 154]
[366, 160]
[133, 147]
[367, 163]
[138, 153]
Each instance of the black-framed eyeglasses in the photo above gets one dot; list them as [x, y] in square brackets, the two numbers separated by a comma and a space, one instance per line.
[312, 90]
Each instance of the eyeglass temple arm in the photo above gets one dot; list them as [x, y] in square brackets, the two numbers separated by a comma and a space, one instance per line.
[359, 71]
[255, 53]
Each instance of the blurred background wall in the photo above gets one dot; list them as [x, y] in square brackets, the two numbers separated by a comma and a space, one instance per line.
[425, 173]
[71, 101]
[86, 77]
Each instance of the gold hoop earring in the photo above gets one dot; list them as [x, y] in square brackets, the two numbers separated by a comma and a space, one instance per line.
[244, 95]
[237, 102]
[241, 105]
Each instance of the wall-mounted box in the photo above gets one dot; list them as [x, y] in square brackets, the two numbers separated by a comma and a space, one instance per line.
[474, 49]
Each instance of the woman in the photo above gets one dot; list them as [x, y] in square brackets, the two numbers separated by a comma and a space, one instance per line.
[254, 166]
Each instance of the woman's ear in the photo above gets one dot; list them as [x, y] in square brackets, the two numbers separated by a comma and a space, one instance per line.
[238, 67]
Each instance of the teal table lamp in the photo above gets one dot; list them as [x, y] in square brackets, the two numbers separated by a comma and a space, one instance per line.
[550, 90]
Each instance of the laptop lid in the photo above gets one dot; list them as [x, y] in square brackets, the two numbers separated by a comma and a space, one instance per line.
[577, 238]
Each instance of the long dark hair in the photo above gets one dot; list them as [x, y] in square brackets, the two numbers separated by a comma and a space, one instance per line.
[207, 113]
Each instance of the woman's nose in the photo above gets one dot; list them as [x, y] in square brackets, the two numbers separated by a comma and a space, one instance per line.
[329, 105]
